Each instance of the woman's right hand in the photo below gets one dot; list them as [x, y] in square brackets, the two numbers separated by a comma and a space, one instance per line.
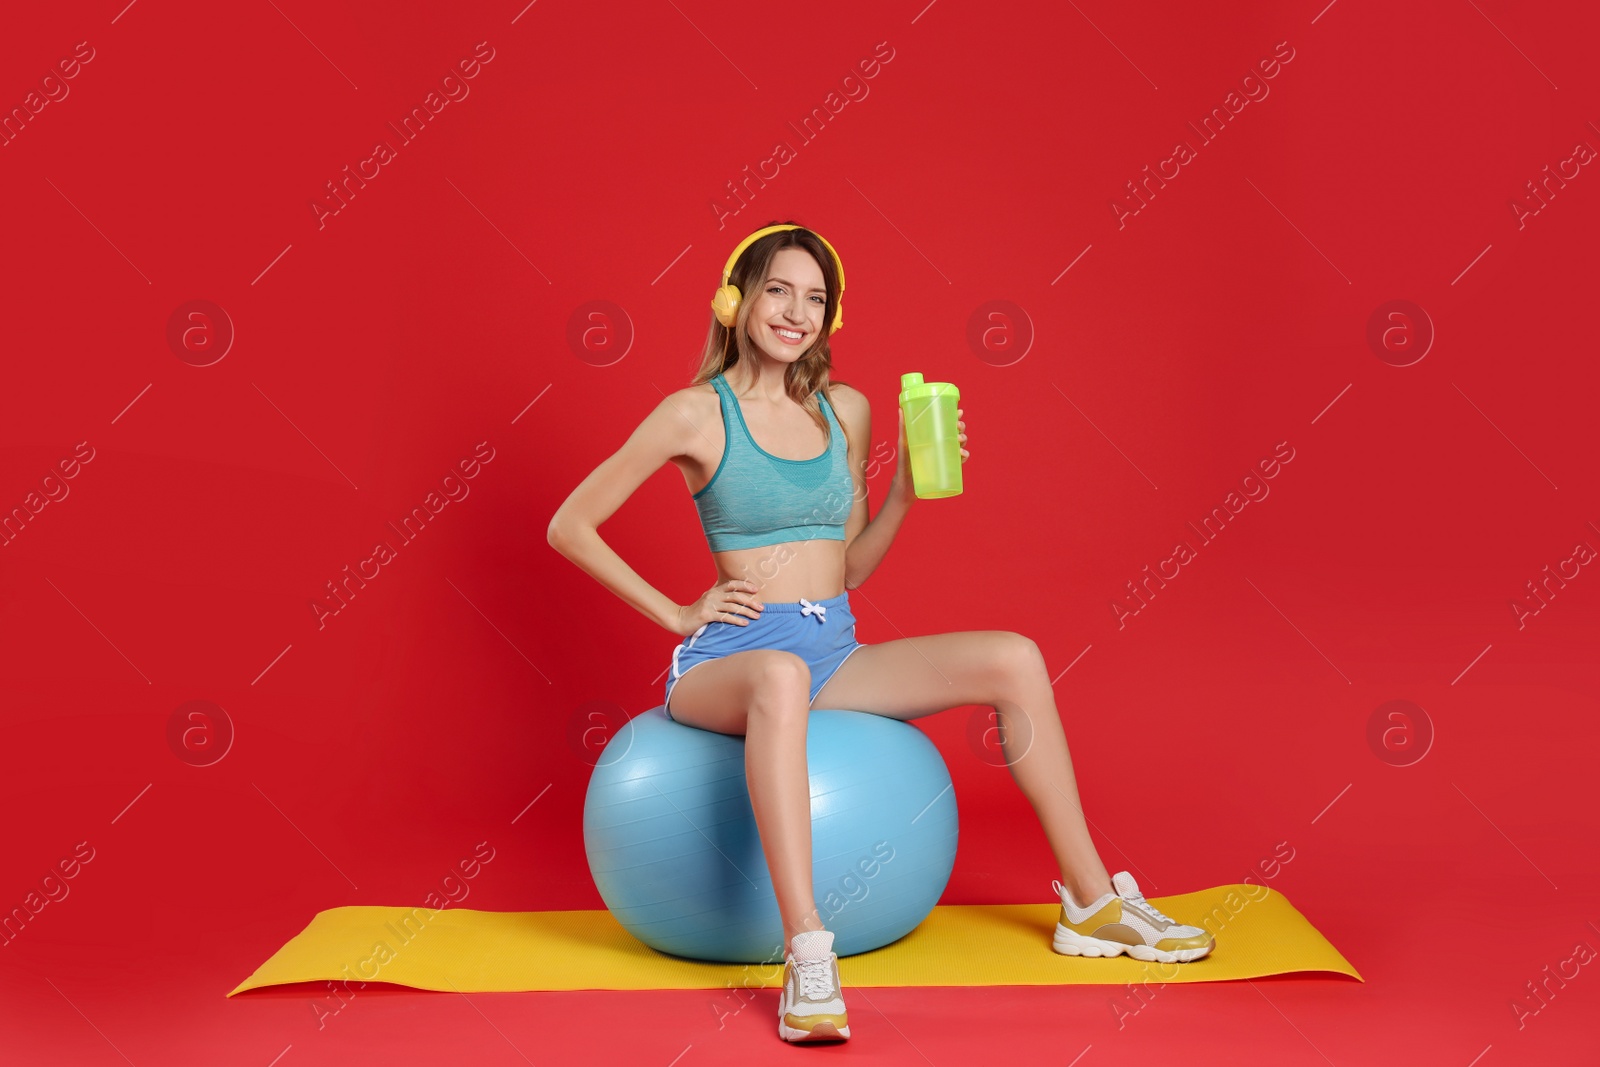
[733, 600]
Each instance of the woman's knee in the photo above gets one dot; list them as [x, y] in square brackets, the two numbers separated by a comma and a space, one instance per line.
[780, 681]
[1020, 655]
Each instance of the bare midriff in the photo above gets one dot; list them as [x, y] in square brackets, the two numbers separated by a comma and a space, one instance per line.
[789, 571]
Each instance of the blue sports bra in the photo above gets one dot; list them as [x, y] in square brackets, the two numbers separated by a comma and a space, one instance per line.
[756, 499]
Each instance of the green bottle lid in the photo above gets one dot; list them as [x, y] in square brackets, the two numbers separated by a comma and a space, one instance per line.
[912, 387]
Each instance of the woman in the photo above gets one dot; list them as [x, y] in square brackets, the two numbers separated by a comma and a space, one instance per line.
[790, 533]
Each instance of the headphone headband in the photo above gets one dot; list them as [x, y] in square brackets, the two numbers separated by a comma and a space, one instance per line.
[727, 271]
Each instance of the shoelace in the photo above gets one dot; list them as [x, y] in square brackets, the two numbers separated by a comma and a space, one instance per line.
[808, 608]
[816, 977]
[1138, 901]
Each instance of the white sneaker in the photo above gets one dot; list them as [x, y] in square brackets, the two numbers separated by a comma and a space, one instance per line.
[810, 1006]
[1124, 921]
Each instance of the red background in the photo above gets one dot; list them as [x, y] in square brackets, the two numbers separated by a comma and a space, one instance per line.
[376, 348]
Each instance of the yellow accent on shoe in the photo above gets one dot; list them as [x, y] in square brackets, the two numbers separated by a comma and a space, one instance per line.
[819, 1026]
[1108, 932]
[819, 990]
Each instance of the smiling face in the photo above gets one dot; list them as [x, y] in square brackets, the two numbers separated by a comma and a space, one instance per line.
[786, 313]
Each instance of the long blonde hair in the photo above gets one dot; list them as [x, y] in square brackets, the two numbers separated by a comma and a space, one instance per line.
[726, 345]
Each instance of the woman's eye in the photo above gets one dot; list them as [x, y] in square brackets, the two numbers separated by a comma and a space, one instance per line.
[778, 289]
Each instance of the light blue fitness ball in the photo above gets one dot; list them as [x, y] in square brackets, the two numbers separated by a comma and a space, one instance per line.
[674, 849]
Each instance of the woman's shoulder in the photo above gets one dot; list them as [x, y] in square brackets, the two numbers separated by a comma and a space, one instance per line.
[700, 393]
[848, 400]
[686, 419]
[697, 404]
[851, 407]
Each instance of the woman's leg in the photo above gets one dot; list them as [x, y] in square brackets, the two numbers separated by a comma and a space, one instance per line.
[918, 676]
[762, 694]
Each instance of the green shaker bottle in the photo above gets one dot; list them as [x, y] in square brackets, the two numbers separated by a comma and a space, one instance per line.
[930, 414]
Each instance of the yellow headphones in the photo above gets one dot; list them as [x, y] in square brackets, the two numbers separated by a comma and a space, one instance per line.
[726, 302]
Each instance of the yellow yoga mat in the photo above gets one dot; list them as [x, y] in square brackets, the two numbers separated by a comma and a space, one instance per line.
[1258, 933]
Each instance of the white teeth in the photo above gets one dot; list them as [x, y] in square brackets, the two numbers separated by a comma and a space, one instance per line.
[788, 333]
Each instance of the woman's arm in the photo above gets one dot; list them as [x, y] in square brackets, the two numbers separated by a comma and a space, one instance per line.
[867, 542]
[574, 529]
[869, 548]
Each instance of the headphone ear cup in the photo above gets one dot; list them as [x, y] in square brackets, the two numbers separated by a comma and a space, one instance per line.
[726, 304]
[838, 318]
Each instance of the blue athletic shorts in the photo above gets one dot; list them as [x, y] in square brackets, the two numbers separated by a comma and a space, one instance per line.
[821, 633]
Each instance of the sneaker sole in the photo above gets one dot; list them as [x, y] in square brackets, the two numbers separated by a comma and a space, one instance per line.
[823, 1031]
[1069, 943]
